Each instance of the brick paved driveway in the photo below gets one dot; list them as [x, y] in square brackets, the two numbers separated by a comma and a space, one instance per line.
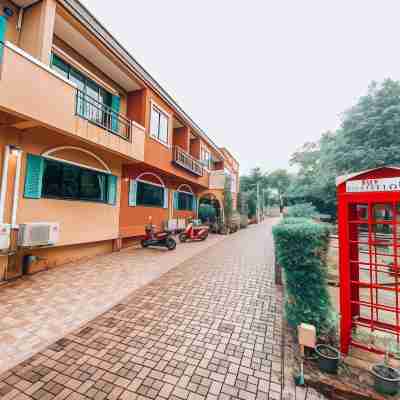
[209, 328]
[38, 310]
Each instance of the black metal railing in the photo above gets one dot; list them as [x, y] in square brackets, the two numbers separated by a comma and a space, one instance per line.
[186, 161]
[2, 46]
[102, 115]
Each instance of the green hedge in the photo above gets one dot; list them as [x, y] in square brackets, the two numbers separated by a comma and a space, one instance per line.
[301, 247]
[306, 210]
[294, 220]
[207, 213]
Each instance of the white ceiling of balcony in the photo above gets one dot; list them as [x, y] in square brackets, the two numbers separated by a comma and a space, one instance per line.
[24, 3]
[80, 44]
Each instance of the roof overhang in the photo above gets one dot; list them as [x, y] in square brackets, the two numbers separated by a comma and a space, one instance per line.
[82, 14]
[344, 178]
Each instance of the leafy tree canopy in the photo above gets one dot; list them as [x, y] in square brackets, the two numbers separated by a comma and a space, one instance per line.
[367, 138]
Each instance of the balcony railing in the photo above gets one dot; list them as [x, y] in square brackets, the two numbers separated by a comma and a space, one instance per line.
[103, 116]
[186, 161]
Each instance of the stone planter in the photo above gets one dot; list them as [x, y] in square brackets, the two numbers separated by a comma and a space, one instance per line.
[386, 379]
[328, 358]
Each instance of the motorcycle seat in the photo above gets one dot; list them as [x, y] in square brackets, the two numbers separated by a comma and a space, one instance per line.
[161, 235]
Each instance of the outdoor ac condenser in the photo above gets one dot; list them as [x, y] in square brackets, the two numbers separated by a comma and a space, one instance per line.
[5, 231]
[38, 234]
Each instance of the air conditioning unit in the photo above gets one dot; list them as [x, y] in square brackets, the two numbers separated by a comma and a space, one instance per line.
[38, 234]
[5, 232]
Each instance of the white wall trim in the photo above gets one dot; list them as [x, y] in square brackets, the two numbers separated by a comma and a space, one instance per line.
[16, 191]
[162, 184]
[48, 154]
[4, 182]
[179, 189]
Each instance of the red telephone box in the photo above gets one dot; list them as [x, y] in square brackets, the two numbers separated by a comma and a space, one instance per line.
[369, 242]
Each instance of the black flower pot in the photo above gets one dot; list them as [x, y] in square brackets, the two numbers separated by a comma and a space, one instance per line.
[328, 358]
[386, 379]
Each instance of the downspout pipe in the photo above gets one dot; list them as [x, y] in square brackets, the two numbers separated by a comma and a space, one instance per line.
[4, 182]
[16, 191]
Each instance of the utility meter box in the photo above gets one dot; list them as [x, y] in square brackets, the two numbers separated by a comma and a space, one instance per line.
[307, 335]
[5, 233]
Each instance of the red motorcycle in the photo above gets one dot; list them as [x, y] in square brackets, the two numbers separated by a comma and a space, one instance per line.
[157, 239]
[194, 232]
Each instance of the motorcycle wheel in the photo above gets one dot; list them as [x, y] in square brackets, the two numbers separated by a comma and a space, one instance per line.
[144, 244]
[183, 237]
[171, 244]
[204, 237]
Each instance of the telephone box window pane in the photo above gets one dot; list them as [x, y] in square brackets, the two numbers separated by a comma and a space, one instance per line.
[362, 212]
[382, 212]
[362, 233]
[382, 234]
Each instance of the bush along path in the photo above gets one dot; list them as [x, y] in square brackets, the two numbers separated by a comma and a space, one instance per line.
[301, 247]
[209, 329]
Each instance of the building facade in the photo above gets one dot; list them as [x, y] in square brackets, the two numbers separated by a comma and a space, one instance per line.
[89, 140]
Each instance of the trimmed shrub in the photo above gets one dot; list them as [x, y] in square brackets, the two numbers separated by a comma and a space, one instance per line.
[207, 213]
[305, 210]
[294, 220]
[301, 247]
[244, 221]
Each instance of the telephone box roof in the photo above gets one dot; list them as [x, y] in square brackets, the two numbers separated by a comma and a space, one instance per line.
[344, 178]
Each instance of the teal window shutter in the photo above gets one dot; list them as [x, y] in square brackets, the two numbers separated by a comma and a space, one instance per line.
[132, 193]
[176, 197]
[165, 198]
[34, 177]
[3, 27]
[115, 106]
[194, 204]
[112, 189]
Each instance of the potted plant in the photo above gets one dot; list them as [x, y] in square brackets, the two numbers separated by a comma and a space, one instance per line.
[328, 358]
[386, 378]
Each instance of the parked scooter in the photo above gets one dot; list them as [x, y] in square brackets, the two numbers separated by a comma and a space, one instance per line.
[157, 239]
[194, 231]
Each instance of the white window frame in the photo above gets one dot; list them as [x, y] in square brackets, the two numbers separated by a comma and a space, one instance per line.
[160, 110]
[202, 149]
[164, 188]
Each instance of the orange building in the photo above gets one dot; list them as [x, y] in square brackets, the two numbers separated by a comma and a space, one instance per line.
[91, 145]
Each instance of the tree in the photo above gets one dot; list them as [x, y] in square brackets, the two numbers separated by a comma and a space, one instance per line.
[367, 138]
[228, 202]
[280, 181]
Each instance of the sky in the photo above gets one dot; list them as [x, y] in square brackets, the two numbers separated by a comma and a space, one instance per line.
[260, 77]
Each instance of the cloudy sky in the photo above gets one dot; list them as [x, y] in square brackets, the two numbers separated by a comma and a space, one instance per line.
[261, 77]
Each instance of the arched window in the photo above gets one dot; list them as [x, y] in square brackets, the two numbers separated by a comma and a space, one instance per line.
[148, 190]
[61, 178]
[184, 199]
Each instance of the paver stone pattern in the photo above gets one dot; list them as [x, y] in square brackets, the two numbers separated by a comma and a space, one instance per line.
[210, 328]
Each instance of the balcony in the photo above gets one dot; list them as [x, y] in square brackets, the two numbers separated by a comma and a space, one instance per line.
[36, 94]
[185, 160]
[103, 116]
[217, 179]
